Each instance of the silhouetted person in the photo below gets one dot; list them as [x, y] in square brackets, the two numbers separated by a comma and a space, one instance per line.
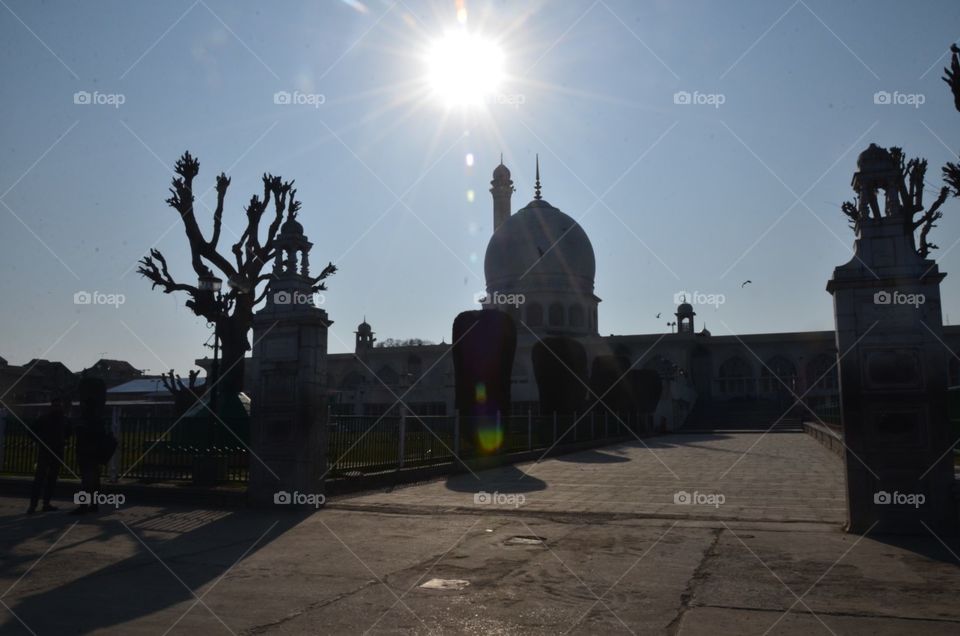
[51, 430]
[91, 436]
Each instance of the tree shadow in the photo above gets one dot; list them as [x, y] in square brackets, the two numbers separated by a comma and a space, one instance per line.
[593, 456]
[146, 581]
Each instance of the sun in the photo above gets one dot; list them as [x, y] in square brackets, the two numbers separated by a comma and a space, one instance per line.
[464, 69]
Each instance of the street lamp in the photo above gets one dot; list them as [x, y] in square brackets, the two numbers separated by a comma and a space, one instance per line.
[205, 471]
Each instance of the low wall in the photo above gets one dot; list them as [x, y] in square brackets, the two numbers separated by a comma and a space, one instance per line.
[830, 438]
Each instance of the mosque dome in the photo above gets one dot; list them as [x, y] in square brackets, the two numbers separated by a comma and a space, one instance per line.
[539, 247]
[685, 309]
[364, 328]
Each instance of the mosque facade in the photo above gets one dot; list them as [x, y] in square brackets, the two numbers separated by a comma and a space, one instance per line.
[540, 267]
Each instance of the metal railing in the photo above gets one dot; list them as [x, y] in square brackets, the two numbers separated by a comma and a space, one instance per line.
[161, 448]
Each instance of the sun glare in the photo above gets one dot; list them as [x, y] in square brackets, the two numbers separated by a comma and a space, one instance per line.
[464, 69]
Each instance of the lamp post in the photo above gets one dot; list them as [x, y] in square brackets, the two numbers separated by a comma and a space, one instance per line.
[205, 469]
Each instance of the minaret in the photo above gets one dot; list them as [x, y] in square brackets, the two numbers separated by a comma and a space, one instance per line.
[501, 189]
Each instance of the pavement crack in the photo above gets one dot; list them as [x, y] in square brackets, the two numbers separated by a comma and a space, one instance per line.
[700, 573]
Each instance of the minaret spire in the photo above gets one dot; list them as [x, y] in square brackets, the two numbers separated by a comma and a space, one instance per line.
[536, 187]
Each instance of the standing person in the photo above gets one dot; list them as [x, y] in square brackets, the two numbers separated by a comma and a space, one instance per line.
[91, 432]
[51, 431]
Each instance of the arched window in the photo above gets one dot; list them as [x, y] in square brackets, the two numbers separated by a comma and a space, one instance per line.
[556, 315]
[534, 315]
[822, 373]
[414, 365]
[736, 376]
[778, 375]
[576, 315]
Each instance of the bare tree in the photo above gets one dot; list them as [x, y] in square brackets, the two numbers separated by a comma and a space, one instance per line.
[184, 395]
[232, 312]
[910, 182]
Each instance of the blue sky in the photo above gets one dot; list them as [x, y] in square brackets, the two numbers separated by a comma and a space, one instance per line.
[692, 196]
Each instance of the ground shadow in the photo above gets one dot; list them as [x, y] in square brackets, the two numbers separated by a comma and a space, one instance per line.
[505, 479]
[925, 545]
[140, 584]
[593, 457]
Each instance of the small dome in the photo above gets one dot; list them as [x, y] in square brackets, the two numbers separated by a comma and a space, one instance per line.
[501, 173]
[291, 226]
[875, 159]
[685, 309]
[364, 328]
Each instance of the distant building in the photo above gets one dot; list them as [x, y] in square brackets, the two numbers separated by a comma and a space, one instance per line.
[113, 372]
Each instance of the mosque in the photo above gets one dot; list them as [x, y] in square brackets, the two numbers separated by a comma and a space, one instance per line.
[541, 256]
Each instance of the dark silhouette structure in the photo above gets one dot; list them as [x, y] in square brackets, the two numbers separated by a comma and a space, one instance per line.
[560, 368]
[51, 430]
[184, 395]
[484, 345]
[231, 313]
[93, 440]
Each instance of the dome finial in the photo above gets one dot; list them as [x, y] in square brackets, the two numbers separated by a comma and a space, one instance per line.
[501, 158]
[536, 187]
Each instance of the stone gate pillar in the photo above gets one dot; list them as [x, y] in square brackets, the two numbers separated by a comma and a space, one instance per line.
[893, 383]
[289, 410]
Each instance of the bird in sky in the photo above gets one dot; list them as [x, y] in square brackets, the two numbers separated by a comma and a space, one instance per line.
[658, 314]
[745, 283]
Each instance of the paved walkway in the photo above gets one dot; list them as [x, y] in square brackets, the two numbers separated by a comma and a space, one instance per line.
[617, 556]
[777, 477]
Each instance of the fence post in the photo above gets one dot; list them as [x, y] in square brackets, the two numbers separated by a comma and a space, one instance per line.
[456, 434]
[529, 430]
[575, 425]
[593, 428]
[115, 428]
[501, 432]
[554, 427]
[3, 435]
[403, 435]
[606, 424]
